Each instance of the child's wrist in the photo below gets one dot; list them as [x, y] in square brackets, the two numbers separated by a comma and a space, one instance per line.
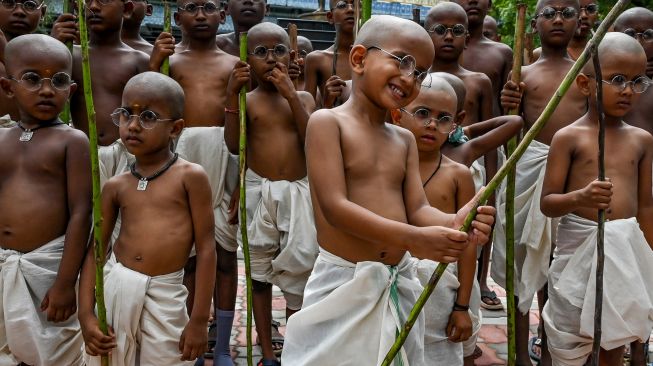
[459, 307]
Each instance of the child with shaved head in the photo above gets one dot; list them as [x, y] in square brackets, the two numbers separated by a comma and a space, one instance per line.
[364, 281]
[45, 195]
[143, 289]
[572, 192]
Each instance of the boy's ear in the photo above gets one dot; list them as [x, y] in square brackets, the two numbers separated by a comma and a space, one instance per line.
[267, 9]
[329, 16]
[534, 25]
[395, 114]
[223, 17]
[175, 15]
[583, 84]
[72, 90]
[460, 117]
[7, 87]
[44, 10]
[148, 10]
[357, 58]
[177, 126]
[128, 9]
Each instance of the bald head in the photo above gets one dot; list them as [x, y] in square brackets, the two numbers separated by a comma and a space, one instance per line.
[632, 16]
[383, 29]
[542, 3]
[458, 87]
[617, 45]
[35, 46]
[161, 88]
[267, 31]
[449, 11]
[439, 84]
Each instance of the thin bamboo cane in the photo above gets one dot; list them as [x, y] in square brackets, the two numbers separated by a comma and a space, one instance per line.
[167, 25]
[292, 33]
[501, 174]
[367, 11]
[242, 157]
[334, 64]
[95, 171]
[67, 9]
[600, 255]
[357, 17]
[510, 192]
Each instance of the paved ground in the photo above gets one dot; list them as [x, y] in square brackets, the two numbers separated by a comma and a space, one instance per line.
[492, 337]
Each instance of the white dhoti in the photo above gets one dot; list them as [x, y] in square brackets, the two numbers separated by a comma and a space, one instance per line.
[533, 230]
[281, 234]
[148, 315]
[205, 146]
[352, 313]
[25, 334]
[438, 350]
[6, 121]
[627, 289]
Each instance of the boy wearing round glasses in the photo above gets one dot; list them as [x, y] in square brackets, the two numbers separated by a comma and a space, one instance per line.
[45, 195]
[16, 18]
[572, 192]
[556, 22]
[113, 62]
[279, 214]
[370, 210]
[144, 270]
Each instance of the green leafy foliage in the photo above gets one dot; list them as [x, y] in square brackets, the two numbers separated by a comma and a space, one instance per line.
[505, 12]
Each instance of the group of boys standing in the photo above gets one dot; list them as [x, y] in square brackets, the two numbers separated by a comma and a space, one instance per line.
[428, 104]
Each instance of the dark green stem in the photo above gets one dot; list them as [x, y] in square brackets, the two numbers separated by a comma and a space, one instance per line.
[510, 164]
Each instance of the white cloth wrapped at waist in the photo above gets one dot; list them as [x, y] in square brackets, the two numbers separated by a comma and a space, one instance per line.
[200, 145]
[627, 288]
[148, 315]
[352, 313]
[532, 229]
[281, 233]
[25, 334]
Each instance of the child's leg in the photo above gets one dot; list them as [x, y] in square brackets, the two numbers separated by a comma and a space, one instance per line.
[262, 293]
[522, 332]
[542, 297]
[611, 357]
[637, 354]
[226, 283]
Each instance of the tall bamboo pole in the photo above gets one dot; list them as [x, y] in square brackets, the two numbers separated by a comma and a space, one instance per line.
[167, 25]
[68, 8]
[600, 256]
[367, 11]
[510, 192]
[99, 252]
[510, 164]
[242, 157]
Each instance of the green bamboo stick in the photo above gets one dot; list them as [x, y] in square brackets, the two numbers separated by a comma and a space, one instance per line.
[95, 171]
[367, 11]
[242, 156]
[65, 114]
[600, 255]
[517, 61]
[167, 25]
[509, 164]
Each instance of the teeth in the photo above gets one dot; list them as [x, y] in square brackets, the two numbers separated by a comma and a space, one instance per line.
[397, 91]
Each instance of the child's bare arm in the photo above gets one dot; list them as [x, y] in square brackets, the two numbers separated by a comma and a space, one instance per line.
[65, 28]
[300, 106]
[489, 135]
[96, 343]
[60, 301]
[239, 77]
[555, 202]
[164, 46]
[311, 70]
[420, 213]
[645, 190]
[326, 175]
[460, 323]
[194, 337]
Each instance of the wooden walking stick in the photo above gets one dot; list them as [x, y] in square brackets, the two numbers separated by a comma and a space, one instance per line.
[242, 158]
[99, 252]
[167, 25]
[510, 192]
[292, 33]
[600, 255]
[510, 164]
[68, 8]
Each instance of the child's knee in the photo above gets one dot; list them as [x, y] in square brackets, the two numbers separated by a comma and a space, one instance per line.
[258, 286]
[227, 261]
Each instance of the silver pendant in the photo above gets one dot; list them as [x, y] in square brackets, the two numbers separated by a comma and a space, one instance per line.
[26, 136]
[142, 185]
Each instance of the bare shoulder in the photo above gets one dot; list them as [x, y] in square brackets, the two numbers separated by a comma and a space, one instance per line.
[406, 136]
[306, 97]
[73, 135]
[324, 118]
[569, 135]
[222, 40]
[457, 170]
[191, 171]
[639, 135]
[319, 57]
